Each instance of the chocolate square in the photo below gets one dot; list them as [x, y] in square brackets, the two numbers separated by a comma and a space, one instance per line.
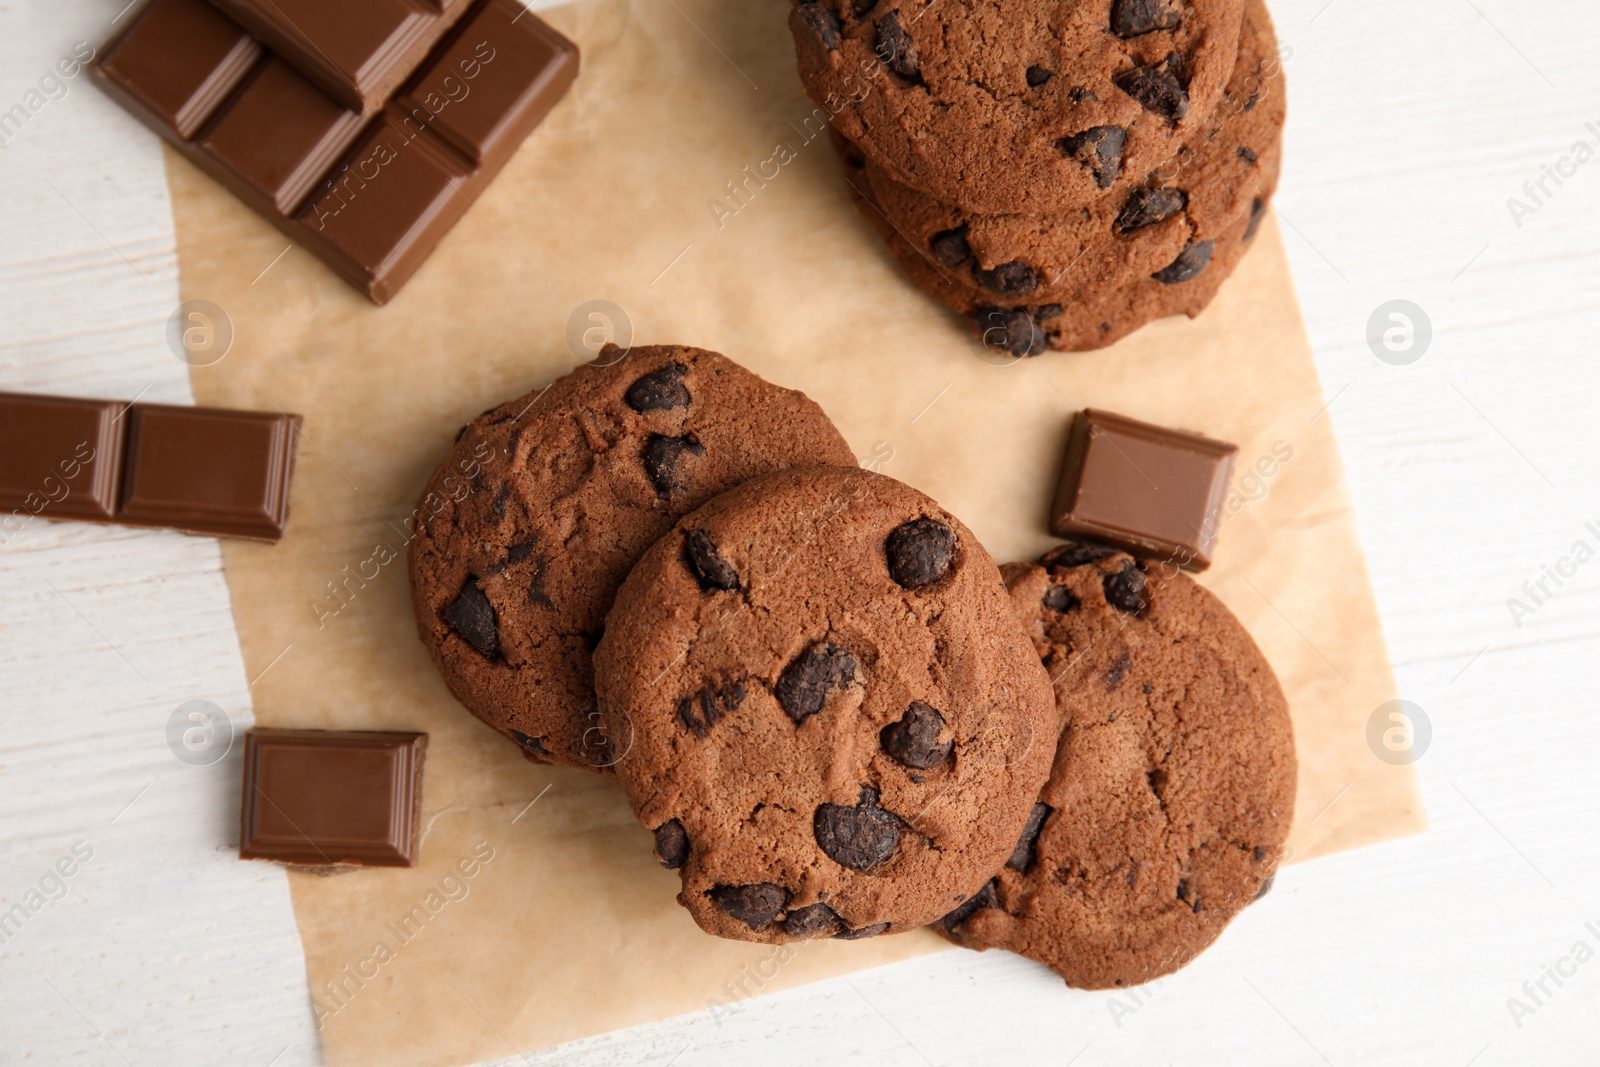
[179, 60]
[59, 456]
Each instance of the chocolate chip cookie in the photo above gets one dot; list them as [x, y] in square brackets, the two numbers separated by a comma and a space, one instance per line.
[826, 711]
[544, 504]
[1016, 105]
[1173, 786]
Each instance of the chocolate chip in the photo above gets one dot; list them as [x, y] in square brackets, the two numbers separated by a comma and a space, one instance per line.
[862, 934]
[660, 390]
[699, 713]
[661, 456]
[823, 23]
[1047, 311]
[1146, 207]
[983, 898]
[532, 744]
[1118, 671]
[755, 905]
[914, 740]
[1266, 887]
[1258, 211]
[803, 687]
[1158, 87]
[864, 7]
[472, 616]
[950, 247]
[863, 837]
[1190, 262]
[1037, 76]
[1247, 154]
[710, 569]
[1132, 18]
[1059, 599]
[896, 48]
[1125, 590]
[1099, 149]
[1023, 855]
[811, 919]
[1079, 94]
[920, 552]
[1012, 330]
[672, 845]
[1014, 279]
[1076, 554]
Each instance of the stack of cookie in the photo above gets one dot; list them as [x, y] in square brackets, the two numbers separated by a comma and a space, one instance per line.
[1061, 172]
[820, 699]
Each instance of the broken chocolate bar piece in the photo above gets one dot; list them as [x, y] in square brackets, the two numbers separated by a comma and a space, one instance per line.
[1151, 491]
[331, 798]
[199, 470]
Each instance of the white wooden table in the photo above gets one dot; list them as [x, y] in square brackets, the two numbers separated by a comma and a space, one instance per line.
[1473, 470]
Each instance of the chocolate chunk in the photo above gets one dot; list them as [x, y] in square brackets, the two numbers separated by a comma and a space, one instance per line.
[1014, 279]
[803, 687]
[1146, 207]
[920, 552]
[1099, 149]
[862, 934]
[672, 845]
[811, 919]
[1125, 590]
[824, 23]
[1190, 262]
[863, 837]
[710, 569]
[531, 744]
[1258, 211]
[914, 740]
[1133, 18]
[897, 49]
[1023, 855]
[755, 905]
[1266, 887]
[1247, 154]
[1059, 599]
[1037, 76]
[472, 616]
[1118, 671]
[1076, 555]
[950, 247]
[983, 898]
[700, 712]
[1012, 330]
[1158, 87]
[1079, 94]
[661, 456]
[662, 390]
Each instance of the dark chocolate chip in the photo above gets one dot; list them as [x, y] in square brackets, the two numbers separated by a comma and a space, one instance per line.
[896, 48]
[699, 713]
[1099, 149]
[1125, 590]
[1118, 671]
[1014, 279]
[532, 744]
[1158, 87]
[803, 687]
[660, 390]
[755, 905]
[1046, 311]
[1259, 853]
[824, 23]
[1060, 599]
[1146, 207]
[1266, 887]
[1132, 18]
[1247, 154]
[862, 934]
[1012, 330]
[1258, 211]
[863, 837]
[1026, 852]
[710, 569]
[1076, 554]
[983, 898]
[811, 919]
[920, 552]
[950, 247]
[472, 616]
[661, 456]
[1190, 262]
[1037, 76]
[1079, 94]
[914, 740]
[672, 845]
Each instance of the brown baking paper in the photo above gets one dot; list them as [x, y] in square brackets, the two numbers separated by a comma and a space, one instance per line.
[537, 914]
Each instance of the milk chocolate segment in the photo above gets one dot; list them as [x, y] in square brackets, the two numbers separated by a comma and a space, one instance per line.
[331, 798]
[177, 60]
[1152, 491]
[59, 457]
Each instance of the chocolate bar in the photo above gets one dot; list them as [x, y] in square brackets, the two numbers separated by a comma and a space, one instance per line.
[1149, 490]
[331, 798]
[199, 470]
[371, 195]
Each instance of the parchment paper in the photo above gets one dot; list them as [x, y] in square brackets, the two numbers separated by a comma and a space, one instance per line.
[566, 927]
